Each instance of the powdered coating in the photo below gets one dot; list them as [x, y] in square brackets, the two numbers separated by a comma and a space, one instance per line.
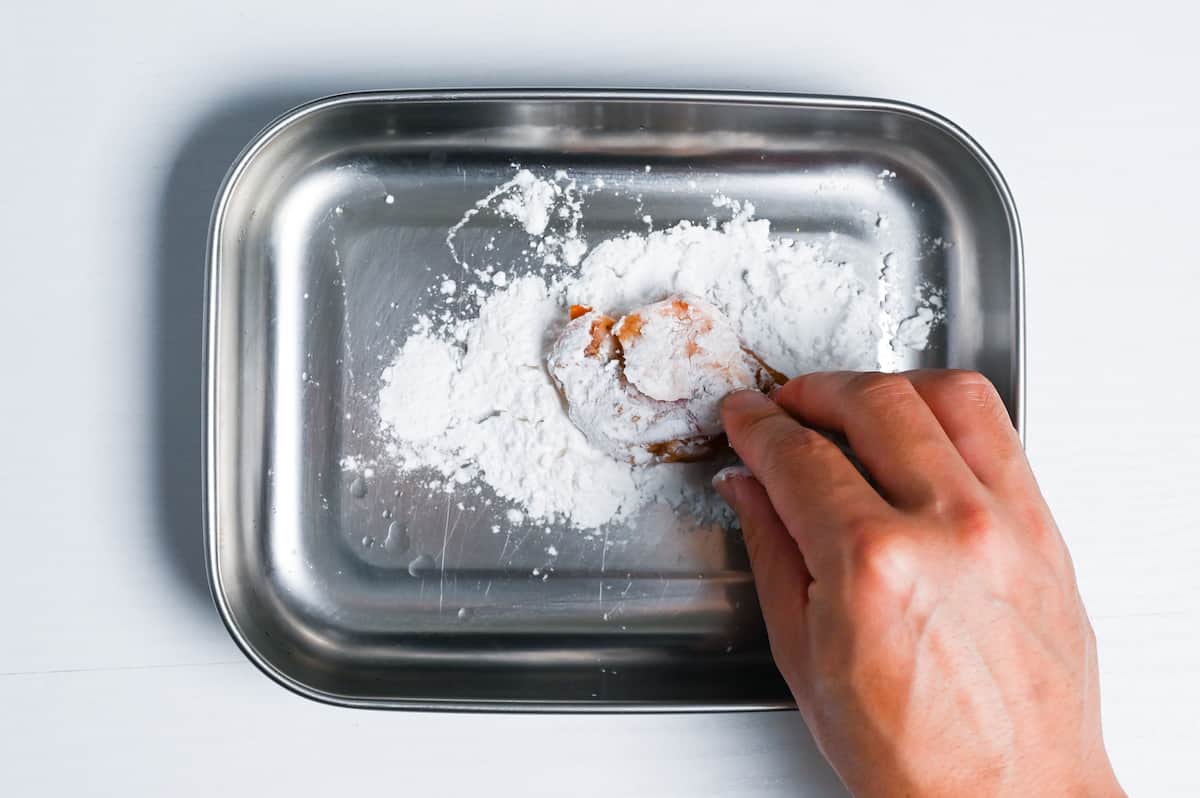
[648, 387]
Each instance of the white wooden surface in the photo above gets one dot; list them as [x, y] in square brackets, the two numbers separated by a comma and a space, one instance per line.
[118, 121]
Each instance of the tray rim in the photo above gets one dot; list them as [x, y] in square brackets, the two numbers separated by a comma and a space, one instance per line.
[213, 269]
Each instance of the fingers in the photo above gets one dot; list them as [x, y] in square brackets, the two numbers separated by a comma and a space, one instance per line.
[977, 423]
[889, 427]
[780, 576]
[812, 486]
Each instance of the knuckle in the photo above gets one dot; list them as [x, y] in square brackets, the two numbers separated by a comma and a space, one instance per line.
[1035, 525]
[1032, 520]
[972, 387]
[758, 433]
[789, 446]
[882, 559]
[975, 525]
[878, 386]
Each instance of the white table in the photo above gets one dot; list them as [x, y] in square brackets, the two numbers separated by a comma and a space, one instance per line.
[116, 676]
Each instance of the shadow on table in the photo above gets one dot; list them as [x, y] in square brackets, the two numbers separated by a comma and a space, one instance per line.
[177, 317]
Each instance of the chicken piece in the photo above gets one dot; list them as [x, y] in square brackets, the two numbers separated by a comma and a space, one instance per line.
[647, 387]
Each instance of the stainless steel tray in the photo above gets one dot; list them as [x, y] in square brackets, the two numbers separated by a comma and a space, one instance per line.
[300, 317]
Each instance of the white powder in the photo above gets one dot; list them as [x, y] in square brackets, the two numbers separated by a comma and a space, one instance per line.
[548, 210]
[795, 308]
[468, 397]
[914, 331]
[683, 349]
[530, 202]
[417, 388]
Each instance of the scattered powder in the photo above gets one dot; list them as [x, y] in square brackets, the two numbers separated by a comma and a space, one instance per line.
[548, 210]
[530, 202]
[914, 331]
[468, 396]
[905, 326]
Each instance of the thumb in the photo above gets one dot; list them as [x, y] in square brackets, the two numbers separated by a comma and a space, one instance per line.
[780, 576]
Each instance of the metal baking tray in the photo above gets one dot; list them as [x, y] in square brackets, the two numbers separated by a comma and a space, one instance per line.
[304, 306]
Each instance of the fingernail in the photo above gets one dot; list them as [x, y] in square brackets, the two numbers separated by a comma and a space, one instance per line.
[723, 482]
[726, 490]
[743, 400]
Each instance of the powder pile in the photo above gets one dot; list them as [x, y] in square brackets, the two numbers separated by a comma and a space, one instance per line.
[468, 396]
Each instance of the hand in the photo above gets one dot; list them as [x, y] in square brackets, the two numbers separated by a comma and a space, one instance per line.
[929, 627]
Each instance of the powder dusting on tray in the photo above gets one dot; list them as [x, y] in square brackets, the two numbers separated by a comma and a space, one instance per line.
[468, 396]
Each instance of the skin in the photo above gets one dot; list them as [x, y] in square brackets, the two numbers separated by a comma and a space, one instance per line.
[929, 624]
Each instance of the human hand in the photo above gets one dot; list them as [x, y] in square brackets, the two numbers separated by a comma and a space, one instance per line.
[929, 627]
